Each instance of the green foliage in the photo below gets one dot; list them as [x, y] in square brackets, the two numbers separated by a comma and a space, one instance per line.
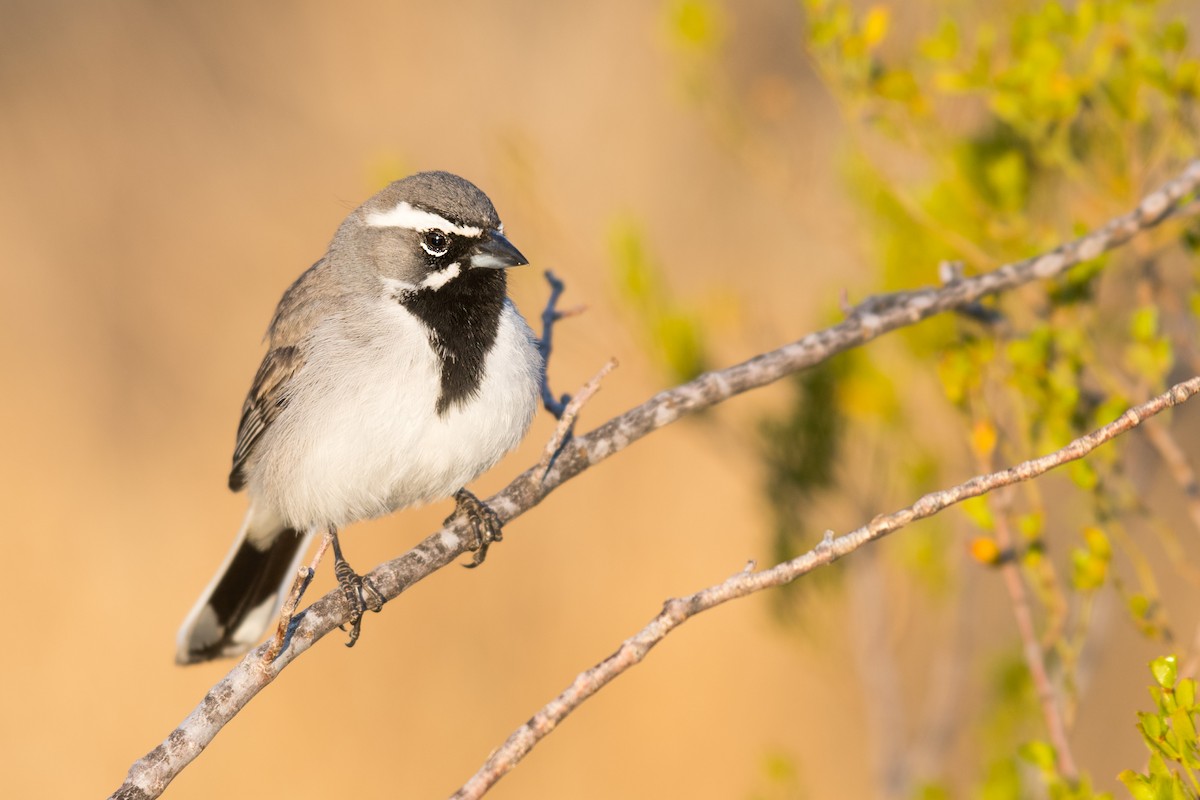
[1169, 733]
[1048, 117]
[1057, 787]
[1011, 717]
[781, 778]
[1062, 85]
[800, 451]
[1046, 368]
[961, 369]
[696, 24]
[998, 133]
[1146, 613]
[1148, 355]
[932, 791]
[675, 331]
[1001, 781]
[1090, 563]
[800, 447]
[1041, 118]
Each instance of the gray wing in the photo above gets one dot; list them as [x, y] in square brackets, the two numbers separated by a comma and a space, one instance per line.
[302, 304]
[268, 396]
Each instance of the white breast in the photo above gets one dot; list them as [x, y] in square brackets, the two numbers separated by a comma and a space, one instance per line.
[360, 436]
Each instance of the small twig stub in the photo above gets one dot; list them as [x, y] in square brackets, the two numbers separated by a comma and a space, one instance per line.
[566, 423]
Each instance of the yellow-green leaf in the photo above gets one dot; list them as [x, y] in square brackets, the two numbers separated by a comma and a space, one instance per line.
[1039, 753]
[1164, 670]
[976, 509]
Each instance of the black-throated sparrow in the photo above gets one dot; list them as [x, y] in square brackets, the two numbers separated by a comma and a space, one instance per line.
[397, 372]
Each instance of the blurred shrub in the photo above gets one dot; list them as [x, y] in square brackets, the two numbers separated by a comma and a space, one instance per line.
[992, 134]
[1169, 733]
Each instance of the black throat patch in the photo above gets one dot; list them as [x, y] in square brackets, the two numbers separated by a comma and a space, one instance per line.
[463, 318]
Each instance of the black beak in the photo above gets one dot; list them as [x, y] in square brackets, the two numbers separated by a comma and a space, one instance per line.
[496, 252]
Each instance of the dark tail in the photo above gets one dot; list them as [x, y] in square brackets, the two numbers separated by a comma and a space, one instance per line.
[244, 597]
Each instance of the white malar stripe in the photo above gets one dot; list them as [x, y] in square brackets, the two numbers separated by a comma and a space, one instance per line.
[417, 219]
[393, 288]
[438, 279]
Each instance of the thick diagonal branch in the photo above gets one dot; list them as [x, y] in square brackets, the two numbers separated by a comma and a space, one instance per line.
[149, 776]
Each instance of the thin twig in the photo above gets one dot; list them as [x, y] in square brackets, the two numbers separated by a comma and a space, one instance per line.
[151, 774]
[1031, 648]
[1158, 434]
[1178, 466]
[287, 611]
[870, 606]
[566, 423]
[678, 610]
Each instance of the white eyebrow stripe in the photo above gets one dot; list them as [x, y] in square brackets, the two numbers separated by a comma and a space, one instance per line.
[416, 219]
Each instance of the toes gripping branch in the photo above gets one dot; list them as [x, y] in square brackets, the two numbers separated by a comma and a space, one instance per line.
[361, 594]
[485, 524]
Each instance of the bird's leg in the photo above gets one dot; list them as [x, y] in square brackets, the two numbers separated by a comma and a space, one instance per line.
[361, 594]
[485, 523]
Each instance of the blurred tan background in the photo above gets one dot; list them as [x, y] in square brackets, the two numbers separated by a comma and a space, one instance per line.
[167, 168]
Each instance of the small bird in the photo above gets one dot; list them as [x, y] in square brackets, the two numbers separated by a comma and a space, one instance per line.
[397, 372]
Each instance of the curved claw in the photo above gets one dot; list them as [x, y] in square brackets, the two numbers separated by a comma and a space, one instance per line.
[360, 593]
[485, 524]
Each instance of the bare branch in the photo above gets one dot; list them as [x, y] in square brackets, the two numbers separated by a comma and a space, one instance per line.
[1031, 648]
[149, 776]
[566, 423]
[678, 610]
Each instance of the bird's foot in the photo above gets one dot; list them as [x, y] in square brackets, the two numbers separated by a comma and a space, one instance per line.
[485, 524]
[361, 594]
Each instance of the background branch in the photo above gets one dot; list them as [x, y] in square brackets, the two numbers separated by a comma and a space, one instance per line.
[150, 775]
[1031, 648]
[678, 610]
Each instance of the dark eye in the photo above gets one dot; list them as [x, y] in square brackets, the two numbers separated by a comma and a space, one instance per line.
[435, 243]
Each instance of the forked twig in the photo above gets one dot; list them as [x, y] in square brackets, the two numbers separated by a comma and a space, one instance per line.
[287, 611]
[566, 423]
